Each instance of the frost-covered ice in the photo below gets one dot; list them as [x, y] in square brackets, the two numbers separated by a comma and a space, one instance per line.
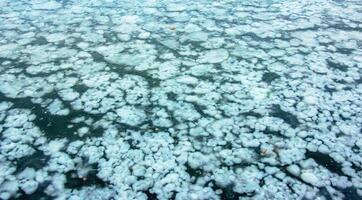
[106, 99]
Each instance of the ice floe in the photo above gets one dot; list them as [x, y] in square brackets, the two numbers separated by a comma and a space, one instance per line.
[214, 56]
[131, 115]
[45, 5]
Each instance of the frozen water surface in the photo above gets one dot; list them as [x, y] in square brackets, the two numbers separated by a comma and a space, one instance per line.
[184, 100]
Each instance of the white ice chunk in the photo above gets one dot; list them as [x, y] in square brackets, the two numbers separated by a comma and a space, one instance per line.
[294, 169]
[55, 37]
[82, 131]
[144, 35]
[200, 70]
[197, 36]
[348, 129]
[276, 52]
[57, 108]
[310, 99]
[170, 43]
[126, 59]
[55, 146]
[29, 187]
[214, 56]
[186, 112]
[5, 105]
[8, 50]
[68, 94]
[9, 186]
[187, 80]
[192, 28]
[175, 7]
[27, 173]
[131, 115]
[46, 5]
[198, 131]
[74, 147]
[130, 19]
[310, 177]
[219, 127]
[162, 122]
[259, 93]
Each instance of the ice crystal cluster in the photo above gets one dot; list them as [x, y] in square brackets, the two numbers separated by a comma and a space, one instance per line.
[183, 100]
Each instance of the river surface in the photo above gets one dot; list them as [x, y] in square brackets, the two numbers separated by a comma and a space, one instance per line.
[184, 100]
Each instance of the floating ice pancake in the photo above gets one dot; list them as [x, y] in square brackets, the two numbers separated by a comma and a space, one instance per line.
[197, 36]
[214, 56]
[175, 7]
[131, 116]
[125, 59]
[46, 5]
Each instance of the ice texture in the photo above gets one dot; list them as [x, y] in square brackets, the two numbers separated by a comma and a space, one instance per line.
[45, 5]
[184, 100]
[214, 56]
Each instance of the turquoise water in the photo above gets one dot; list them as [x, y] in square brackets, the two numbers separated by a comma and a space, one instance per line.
[106, 99]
